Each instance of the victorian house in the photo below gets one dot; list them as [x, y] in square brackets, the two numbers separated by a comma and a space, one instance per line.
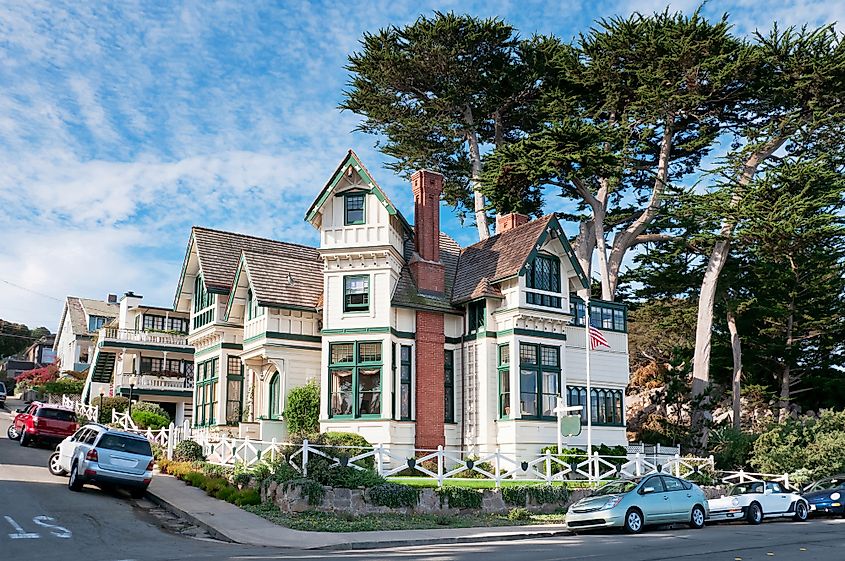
[414, 341]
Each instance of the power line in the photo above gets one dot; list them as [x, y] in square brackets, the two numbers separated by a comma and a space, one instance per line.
[30, 290]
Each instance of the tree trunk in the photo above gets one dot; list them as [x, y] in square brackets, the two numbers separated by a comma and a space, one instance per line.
[601, 250]
[786, 373]
[736, 380]
[479, 206]
[584, 245]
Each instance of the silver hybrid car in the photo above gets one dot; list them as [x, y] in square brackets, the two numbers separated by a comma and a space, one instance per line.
[633, 504]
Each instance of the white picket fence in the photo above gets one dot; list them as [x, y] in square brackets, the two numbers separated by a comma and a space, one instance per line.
[91, 412]
[742, 476]
[166, 437]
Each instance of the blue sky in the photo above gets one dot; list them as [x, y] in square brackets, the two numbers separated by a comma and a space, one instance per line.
[122, 124]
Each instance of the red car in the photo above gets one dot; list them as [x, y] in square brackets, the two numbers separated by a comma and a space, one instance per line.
[42, 421]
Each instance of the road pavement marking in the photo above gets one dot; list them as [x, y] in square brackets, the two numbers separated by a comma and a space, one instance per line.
[58, 531]
[20, 533]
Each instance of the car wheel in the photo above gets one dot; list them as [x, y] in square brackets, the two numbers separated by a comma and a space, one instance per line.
[801, 512]
[12, 432]
[55, 465]
[137, 492]
[755, 514]
[25, 439]
[697, 518]
[633, 521]
[75, 482]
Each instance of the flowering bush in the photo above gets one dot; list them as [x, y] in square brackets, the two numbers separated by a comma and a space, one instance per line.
[36, 377]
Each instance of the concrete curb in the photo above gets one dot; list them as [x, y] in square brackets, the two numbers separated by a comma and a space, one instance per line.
[373, 544]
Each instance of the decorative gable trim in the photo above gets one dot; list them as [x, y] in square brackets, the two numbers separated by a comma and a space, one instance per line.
[554, 228]
[352, 160]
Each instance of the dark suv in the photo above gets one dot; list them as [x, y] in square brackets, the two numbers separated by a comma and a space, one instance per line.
[42, 421]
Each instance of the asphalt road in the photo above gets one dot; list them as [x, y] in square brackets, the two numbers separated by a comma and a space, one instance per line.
[41, 520]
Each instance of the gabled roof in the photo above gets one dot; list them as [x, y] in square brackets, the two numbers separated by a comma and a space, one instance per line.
[353, 160]
[406, 294]
[289, 277]
[75, 308]
[503, 256]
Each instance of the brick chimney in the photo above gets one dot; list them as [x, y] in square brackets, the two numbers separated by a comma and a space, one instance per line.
[425, 264]
[429, 274]
[505, 222]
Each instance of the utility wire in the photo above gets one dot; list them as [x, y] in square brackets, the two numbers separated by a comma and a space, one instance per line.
[30, 290]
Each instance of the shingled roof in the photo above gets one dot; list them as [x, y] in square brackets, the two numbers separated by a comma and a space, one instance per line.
[292, 276]
[406, 294]
[495, 259]
[220, 252]
[77, 307]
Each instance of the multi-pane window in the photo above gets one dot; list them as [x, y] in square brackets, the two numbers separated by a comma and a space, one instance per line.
[275, 408]
[205, 391]
[543, 275]
[354, 208]
[356, 293]
[154, 323]
[504, 381]
[539, 380]
[449, 383]
[203, 304]
[607, 405]
[604, 315]
[476, 315]
[355, 379]
[180, 325]
[150, 365]
[234, 390]
[405, 383]
[173, 367]
[96, 322]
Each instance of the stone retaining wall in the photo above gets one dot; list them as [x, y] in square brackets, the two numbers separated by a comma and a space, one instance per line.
[356, 502]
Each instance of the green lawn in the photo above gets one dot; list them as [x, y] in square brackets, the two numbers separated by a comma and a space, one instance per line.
[324, 522]
[480, 483]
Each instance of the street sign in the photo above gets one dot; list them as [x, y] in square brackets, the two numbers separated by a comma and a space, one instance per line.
[570, 425]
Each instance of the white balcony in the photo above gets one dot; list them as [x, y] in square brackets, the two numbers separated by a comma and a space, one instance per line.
[109, 335]
[154, 382]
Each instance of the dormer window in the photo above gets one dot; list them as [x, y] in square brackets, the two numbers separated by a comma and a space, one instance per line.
[542, 279]
[356, 293]
[476, 315]
[354, 208]
[95, 322]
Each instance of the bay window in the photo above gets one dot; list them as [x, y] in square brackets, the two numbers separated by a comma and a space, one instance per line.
[355, 379]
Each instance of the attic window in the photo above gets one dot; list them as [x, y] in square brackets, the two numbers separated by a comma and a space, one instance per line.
[354, 209]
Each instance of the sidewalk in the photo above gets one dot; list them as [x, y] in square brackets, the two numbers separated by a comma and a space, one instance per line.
[230, 523]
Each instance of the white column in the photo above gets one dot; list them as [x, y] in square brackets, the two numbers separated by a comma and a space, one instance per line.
[180, 412]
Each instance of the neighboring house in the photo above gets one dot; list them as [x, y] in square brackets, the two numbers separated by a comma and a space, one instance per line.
[81, 319]
[415, 342]
[144, 353]
[41, 352]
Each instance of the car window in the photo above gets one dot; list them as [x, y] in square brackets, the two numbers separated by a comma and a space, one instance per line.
[57, 414]
[125, 444]
[77, 435]
[654, 482]
[745, 488]
[90, 437]
[672, 484]
[774, 487]
[615, 488]
[2, 387]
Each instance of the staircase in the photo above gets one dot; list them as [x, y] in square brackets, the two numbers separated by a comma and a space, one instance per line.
[103, 368]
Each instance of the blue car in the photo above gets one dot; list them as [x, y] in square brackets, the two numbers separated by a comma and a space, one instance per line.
[826, 495]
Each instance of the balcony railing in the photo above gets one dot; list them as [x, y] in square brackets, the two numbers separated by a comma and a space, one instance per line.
[136, 336]
[153, 382]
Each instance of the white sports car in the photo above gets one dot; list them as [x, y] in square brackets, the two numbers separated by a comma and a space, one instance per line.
[755, 500]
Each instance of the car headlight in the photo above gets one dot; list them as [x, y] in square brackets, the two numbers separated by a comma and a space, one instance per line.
[735, 502]
[835, 496]
[611, 502]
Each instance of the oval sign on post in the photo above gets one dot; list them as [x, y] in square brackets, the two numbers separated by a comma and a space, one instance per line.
[570, 425]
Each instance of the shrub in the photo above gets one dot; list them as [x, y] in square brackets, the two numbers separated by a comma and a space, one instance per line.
[352, 445]
[343, 477]
[519, 514]
[247, 497]
[149, 420]
[459, 497]
[309, 488]
[806, 446]
[393, 495]
[158, 452]
[152, 408]
[731, 448]
[469, 473]
[188, 451]
[520, 495]
[303, 410]
[69, 386]
[109, 404]
[226, 493]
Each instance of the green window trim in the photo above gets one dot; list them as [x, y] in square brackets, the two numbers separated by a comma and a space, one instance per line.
[356, 298]
[253, 310]
[542, 371]
[504, 375]
[406, 397]
[476, 316]
[354, 208]
[205, 392]
[607, 405]
[274, 405]
[204, 304]
[607, 316]
[543, 276]
[355, 364]
[449, 386]
[234, 390]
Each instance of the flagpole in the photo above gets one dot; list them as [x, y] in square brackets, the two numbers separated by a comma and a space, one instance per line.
[589, 388]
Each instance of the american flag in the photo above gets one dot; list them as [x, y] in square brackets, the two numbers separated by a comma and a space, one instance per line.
[597, 339]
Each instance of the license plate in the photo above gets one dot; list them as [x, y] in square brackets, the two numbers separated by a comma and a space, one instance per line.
[124, 463]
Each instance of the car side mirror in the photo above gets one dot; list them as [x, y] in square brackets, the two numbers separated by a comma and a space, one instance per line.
[647, 490]
[767, 492]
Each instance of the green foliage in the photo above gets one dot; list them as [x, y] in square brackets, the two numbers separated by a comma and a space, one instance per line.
[159, 453]
[536, 494]
[459, 497]
[731, 448]
[343, 477]
[149, 420]
[109, 404]
[310, 489]
[519, 513]
[571, 456]
[18, 337]
[471, 473]
[303, 410]
[248, 497]
[69, 386]
[152, 408]
[393, 495]
[188, 451]
[806, 445]
[340, 445]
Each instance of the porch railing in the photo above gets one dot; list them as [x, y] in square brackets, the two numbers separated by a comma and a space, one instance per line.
[138, 336]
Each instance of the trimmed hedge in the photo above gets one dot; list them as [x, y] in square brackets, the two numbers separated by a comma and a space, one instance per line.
[188, 451]
[303, 410]
[393, 495]
[109, 404]
[149, 420]
[459, 497]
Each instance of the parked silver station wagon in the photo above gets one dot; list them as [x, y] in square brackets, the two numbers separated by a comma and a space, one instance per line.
[633, 504]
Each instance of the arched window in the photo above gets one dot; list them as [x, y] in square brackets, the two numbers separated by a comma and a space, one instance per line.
[275, 411]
